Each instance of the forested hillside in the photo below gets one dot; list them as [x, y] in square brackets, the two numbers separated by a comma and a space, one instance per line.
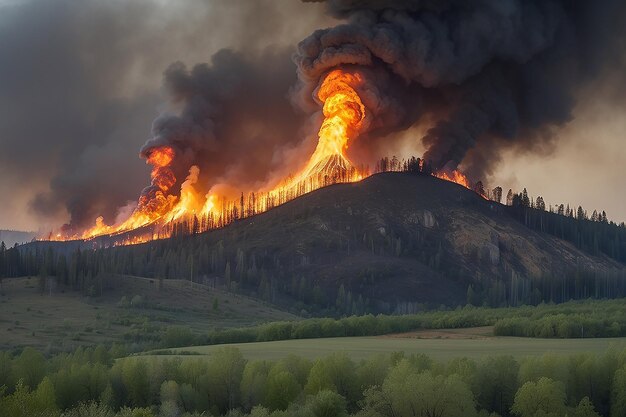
[395, 242]
[597, 237]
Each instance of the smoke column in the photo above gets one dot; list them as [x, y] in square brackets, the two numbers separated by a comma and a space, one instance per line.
[486, 75]
[493, 73]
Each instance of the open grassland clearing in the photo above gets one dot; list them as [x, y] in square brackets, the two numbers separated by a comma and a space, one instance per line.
[132, 310]
[437, 348]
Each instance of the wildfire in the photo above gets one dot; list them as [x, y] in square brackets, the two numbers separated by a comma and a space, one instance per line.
[344, 114]
[160, 157]
[154, 202]
[134, 240]
[454, 176]
[459, 178]
[160, 213]
[189, 202]
[99, 229]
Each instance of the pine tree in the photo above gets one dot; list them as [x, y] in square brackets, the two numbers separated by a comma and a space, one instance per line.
[540, 205]
[496, 194]
[479, 188]
[509, 198]
[525, 199]
[341, 298]
[470, 295]
[227, 275]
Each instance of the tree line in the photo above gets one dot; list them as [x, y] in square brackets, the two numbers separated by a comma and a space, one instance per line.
[576, 319]
[89, 383]
[606, 318]
[593, 233]
[287, 276]
[280, 278]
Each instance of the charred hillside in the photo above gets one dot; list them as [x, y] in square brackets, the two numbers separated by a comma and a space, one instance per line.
[392, 242]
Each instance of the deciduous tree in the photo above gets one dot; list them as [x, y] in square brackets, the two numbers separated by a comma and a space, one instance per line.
[543, 398]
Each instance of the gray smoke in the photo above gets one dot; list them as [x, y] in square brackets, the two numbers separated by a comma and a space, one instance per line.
[235, 115]
[496, 74]
[80, 85]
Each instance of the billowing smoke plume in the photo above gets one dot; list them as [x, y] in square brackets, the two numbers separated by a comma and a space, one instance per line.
[235, 118]
[483, 75]
[493, 73]
[79, 87]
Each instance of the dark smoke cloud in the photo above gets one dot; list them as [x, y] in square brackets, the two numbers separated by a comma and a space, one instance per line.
[235, 115]
[80, 86]
[500, 74]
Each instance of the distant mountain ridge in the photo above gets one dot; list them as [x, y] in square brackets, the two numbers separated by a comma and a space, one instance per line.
[11, 237]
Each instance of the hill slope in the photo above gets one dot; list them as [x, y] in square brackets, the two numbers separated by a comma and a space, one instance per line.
[130, 309]
[384, 244]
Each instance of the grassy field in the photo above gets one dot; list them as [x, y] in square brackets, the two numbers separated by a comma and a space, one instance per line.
[65, 319]
[441, 345]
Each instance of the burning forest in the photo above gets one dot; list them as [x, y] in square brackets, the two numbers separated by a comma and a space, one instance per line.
[478, 78]
[160, 213]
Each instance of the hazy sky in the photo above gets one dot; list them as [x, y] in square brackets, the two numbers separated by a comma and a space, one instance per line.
[80, 84]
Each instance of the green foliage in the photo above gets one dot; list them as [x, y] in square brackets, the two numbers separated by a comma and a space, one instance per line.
[92, 381]
[170, 392]
[259, 411]
[326, 403]
[495, 382]
[177, 336]
[609, 322]
[169, 409]
[618, 400]
[282, 389]
[544, 398]
[223, 379]
[90, 409]
[29, 367]
[254, 383]
[135, 380]
[336, 373]
[407, 392]
[6, 365]
[589, 318]
[26, 403]
[585, 408]
[135, 412]
[225, 384]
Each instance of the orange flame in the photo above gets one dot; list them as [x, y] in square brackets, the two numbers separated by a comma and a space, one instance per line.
[344, 114]
[459, 178]
[454, 176]
[161, 157]
[344, 118]
[150, 207]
